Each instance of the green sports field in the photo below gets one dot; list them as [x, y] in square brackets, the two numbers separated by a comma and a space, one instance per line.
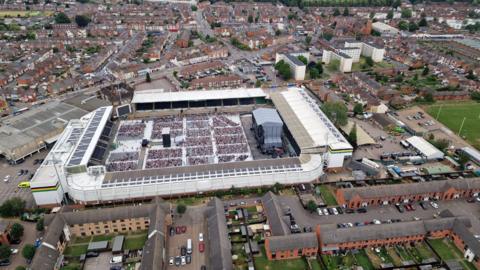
[22, 13]
[451, 114]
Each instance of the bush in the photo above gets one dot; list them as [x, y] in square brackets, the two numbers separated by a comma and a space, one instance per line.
[62, 18]
[181, 208]
[5, 252]
[16, 231]
[12, 207]
[28, 251]
[40, 226]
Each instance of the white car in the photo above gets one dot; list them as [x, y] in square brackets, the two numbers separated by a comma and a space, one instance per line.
[184, 260]
[434, 205]
[6, 179]
[376, 221]
[171, 261]
[200, 237]
[325, 212]
[14, 250]
[319, 212]
[335, 211]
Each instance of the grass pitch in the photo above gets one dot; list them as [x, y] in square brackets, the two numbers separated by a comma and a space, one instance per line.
[452, 114]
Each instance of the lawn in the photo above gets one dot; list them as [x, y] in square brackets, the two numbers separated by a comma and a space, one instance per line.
[75, 251]
[339, 261]
[448, 251]
[189, 201]
[262, 263]
[363, 260]
[22, 13]
[134, 242]
[315, 265]
[451, 114]
[362, 65]
[327, 195]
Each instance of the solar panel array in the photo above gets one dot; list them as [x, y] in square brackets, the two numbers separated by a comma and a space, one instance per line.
[87, 137]
[333, 130]
[75, 135]
[196, 176]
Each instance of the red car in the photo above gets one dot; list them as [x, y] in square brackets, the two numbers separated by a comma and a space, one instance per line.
[183, 228]
[201, 246]
[178, 230]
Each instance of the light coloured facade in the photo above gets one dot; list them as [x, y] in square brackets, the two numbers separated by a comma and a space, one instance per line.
[351, 53]
[297, 67]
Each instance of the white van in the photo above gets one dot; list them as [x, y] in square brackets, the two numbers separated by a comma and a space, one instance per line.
[189, 246]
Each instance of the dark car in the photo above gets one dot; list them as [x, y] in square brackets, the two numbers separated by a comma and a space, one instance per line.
[203, 267]
[424, 205]
[92, 254]
[189, 259]
[5, 262]
[172, 231]
[183, 251]
[349, 211]
[340, 210]
[116, 267]
[178, 260]
[400, 208]
[362, 210]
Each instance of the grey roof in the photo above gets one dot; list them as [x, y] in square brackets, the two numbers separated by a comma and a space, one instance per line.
[411, 188]
[460, 229]
[154, 248]
[274, 214]
[99, 245]
[106, 214]
[46, 257]
[332, 235]
[266, 115]
[118, 243]
[293, 241]
[87, 103]
[220, 256]
[294, 60]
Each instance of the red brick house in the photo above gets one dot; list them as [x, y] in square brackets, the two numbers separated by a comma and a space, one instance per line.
[291, 246]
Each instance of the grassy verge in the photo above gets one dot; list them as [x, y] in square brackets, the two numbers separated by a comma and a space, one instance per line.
[327, 195]
[262, 263]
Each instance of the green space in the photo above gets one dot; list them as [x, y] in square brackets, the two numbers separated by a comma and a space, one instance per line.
[362, 65]
[134, 242]
[339, 261]
[327, 195]
[451, 114]
[189, 201]
[22, 13]
[262, 263]
[448, 251]
[76, 250]
[315, 265]
[363, 261]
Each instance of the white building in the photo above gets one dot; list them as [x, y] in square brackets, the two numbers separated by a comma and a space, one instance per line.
[385, 29]
[70, 169]
[297, 67]
[425, 148]
[351, 53]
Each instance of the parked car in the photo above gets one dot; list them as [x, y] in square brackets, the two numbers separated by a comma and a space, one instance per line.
[424, 205]
[325, 211]
[189, 259]
[178, 261]
[200, 237]
[184, 260]
[201, 247]
[400, 208]
[183, 228]
[92, 254]
[362, 210]
[183, 251]
[434, 205]
[171, 261]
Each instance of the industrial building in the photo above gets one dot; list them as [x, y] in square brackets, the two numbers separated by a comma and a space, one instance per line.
[385, 29]
[425, 148]
[163, 152]
[268, 129]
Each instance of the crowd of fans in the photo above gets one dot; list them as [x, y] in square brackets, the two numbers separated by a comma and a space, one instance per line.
[163, 163]
[223, 121]
[233, 139]
[201, 151]
[165, 153]
[123, 156]
[122, 166]
[232, 149]
[131, 130]
[175, 123]
[198, 160]
[197, 141]
[229, 158]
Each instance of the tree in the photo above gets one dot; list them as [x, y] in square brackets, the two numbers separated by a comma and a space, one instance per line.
[423, 22]
[369, 61]
[372, 15]
[40, 226]
[28, 251]
[181, 208]
[12, 207]
[336, 112]
[352, 136]
[314, 73]
[283, 70]
[278, 32]
[312, 206]
[471, 76]
[302, 59]
[258, 83]
[82, 20]
[62, 18]
[20, 268]
[346, 12]
[148, 79]
[403, 25]
[429, 98]
[396, 3]
[358, 108]
[425, 71]
[390, 14]
[308, 40]
[16, 231]
[406, 13]
[277, 187]
[194, 8]
[336, 12]
[412, 26]
[5, 252]
[475, 96]
[250, 19]
[319, 67]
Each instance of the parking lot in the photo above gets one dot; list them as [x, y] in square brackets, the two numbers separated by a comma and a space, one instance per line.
[100, 262]
[10, 189]
[383, 213]
[195, 223]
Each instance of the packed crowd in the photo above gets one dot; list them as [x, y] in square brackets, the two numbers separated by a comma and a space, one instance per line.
[233, 139]
[122, 166]
[197, 141]
[164, 153]
[229, 158]
[232, 149]
[223, 121]
[197, 124]
[163, 163]
[198, 132]
[198, 160]
[201, 151]
[175, 123]
[131, 130]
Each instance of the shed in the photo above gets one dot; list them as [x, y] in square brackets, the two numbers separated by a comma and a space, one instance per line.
[268, 128]
[117, 246]
[98, 246]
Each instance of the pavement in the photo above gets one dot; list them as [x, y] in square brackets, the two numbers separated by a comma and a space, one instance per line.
[100, 262]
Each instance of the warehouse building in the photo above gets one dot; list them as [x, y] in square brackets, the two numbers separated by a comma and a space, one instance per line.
[424, 148]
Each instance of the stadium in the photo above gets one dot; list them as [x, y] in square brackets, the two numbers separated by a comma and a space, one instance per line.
[172, 143]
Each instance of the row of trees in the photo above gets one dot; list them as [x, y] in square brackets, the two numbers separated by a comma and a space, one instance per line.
[80, 20]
